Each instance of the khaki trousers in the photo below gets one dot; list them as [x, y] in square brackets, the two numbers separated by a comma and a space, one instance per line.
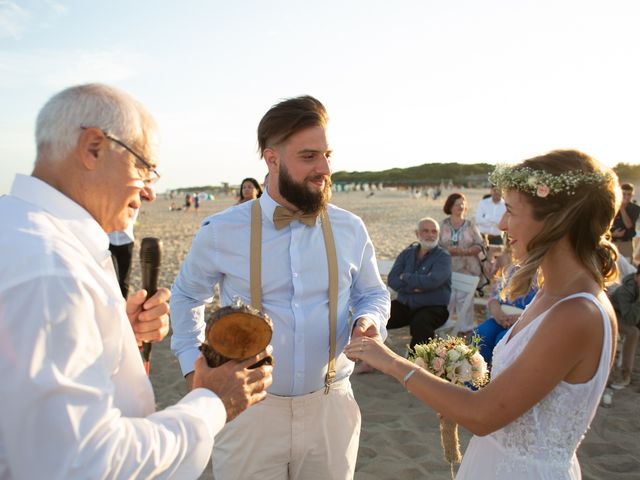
[309, 437]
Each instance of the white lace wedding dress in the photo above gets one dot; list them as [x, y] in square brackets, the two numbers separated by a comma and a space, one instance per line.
[542, 443]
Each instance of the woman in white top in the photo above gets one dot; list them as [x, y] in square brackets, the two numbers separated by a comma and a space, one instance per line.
[550, 369]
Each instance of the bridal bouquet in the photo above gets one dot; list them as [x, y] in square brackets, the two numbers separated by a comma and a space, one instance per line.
[452, 359]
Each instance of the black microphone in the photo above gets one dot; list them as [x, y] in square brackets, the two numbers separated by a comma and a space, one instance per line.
[150, 255]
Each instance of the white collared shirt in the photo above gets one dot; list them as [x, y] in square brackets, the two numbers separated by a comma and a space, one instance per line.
[74, 398]
[488, 216]
[294, 289]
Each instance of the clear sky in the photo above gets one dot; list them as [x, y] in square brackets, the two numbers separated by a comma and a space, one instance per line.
[405, 82]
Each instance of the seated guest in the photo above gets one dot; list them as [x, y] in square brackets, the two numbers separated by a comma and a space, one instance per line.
[626, 302]
[502, 317]
[422, 277]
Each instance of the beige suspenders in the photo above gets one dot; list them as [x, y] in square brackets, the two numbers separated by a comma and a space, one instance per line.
[255, 279]
[332, 261]
[255, 256]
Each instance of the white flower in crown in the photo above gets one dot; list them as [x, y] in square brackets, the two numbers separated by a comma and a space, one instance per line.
[543, 184]
[542, 191]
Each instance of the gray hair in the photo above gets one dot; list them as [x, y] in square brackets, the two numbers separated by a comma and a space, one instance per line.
[91, 105]
[425, 219]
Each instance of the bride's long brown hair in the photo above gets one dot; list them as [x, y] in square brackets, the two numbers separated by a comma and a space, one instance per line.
[584, 216]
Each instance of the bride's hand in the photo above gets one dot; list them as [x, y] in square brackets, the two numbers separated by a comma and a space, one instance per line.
[371, 350]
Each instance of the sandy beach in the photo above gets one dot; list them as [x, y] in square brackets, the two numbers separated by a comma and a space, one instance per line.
[400, 436]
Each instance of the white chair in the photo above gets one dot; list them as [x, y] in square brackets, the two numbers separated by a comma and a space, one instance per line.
[384, 266]
[462, 283]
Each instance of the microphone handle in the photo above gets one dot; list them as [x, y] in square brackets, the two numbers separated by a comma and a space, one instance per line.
[150, 284]
[150, 255]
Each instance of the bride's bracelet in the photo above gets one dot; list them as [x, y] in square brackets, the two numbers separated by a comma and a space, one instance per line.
[409, 375]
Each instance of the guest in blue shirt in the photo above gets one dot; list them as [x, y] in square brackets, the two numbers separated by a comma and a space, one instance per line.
[422, 277]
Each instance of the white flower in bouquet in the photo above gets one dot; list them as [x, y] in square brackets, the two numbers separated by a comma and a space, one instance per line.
[459, 372]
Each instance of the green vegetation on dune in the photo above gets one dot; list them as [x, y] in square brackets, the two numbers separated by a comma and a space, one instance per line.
[628, 172]
[457, 173]
[427, 174]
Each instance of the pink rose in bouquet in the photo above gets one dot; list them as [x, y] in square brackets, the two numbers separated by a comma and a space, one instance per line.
[437, 366]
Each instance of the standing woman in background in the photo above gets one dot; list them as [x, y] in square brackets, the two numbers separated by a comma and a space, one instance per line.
[463, 241]
[250, 189]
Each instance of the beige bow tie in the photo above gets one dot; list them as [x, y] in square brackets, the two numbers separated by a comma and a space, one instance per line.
[283, 217]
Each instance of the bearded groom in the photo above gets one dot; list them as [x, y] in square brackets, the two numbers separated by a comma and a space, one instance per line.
[318, 281]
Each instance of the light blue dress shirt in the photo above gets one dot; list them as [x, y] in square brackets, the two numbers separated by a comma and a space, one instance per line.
[294, 289]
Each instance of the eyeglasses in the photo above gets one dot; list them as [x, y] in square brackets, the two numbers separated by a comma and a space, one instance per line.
[151, 175]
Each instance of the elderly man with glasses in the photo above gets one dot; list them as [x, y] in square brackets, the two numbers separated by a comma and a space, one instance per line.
[75, 398]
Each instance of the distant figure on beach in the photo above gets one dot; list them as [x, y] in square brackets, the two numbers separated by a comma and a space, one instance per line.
[488, 215]
[76, 401]
[196, 202]
[626, 302]
[624, 224]
[250, 189]
[550, 369]
[187, 202]
[422, 277]
[461, 238]
[319, 284]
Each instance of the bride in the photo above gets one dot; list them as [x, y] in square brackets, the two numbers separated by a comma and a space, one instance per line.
[551, 367]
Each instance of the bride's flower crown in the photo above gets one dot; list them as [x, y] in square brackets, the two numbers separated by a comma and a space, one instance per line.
[540, 183]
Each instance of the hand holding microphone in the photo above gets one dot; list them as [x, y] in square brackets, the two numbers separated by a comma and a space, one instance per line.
[149, 314]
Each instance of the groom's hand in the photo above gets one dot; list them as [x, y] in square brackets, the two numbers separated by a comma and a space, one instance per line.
[365, 327]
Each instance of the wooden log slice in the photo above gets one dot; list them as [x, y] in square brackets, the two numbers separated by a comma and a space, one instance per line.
[236, 331]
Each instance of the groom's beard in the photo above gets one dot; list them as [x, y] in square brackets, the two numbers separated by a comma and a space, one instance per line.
[300, 195]
[428, 245]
